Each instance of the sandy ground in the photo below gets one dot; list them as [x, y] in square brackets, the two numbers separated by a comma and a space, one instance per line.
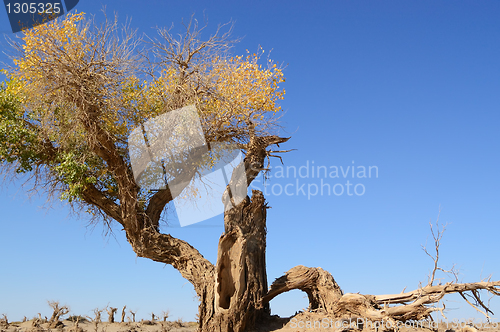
[103, 327]
[313, 322]
[303, 322]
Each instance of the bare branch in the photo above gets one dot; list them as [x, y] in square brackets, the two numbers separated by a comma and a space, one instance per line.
[58, 312]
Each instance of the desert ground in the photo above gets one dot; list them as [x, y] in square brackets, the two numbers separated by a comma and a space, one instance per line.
[302, 322]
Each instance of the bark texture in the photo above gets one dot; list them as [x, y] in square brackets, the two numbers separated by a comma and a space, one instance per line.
[327, 298]
[123, 314]
[231, 292]
[240, 273]
[319, 285]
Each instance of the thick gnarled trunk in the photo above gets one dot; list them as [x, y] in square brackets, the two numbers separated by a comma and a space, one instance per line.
[231, 293]
[240, 272]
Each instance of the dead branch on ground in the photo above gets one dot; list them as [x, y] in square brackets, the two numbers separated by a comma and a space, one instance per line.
[325, 296]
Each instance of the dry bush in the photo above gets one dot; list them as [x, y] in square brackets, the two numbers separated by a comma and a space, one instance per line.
[111, 314]
[97, 318]
[77, 328]
[166, 326]
[36, 326]
[165, 314]
[133, 315]
[40, 319]
[78, 318]
[179, 322]
[97, 315]
[147, 322]
[58, 312]
[4, 322]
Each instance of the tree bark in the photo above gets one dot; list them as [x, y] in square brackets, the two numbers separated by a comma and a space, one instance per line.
[240, 273]
[123, 314]
[231, 292]
[319, 285]
[326, 297]
[164, 248]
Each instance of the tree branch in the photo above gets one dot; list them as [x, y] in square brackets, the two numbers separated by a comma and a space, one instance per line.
[167, 249]
[318, 284]
[95, 197]
[491, 286]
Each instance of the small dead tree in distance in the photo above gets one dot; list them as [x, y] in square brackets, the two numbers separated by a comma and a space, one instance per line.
[97, 315]
[133, 315]
[123, 313]
[165, 314]
[58, 312]
[4, 321]
[68, 106]
[111, 314]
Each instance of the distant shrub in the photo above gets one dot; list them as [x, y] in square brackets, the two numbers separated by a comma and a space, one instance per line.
[80, 319]
[147, 322]
[179, 322]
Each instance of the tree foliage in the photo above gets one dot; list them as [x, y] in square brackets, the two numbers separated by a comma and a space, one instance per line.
[77, 89]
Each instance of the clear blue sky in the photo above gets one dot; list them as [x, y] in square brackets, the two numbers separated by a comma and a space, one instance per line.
[411, 87]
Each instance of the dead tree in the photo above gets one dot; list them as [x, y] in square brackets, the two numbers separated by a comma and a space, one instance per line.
[58, 312]
[97, 318]
[97, 315]
[123, 314]
[325, 295]
[35, 325]
[76, 328]
[165, 315]
[111, 314]
[4, 321]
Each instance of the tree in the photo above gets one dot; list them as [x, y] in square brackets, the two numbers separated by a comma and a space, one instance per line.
[77, 90]
[111, 314]
[57, 314]
[70, 102]
[123, 314]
